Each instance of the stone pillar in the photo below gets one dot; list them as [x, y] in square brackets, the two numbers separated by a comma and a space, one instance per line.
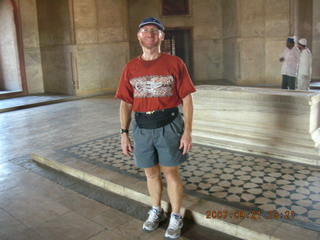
[57, 45]
[101, 36]
[254, 37]
[230, 36]
[10, 76]
[31, 44]
[84, 45]
[304, 20]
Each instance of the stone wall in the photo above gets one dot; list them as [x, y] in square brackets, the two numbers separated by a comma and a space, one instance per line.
[101, 36]
[30, 38]
[83, 44]
[79, 47]
[239, 41]
[56, 45]
[254, 36]
[10, 77]
[316, 40]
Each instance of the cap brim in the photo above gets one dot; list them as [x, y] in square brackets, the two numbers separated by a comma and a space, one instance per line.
[152, 23]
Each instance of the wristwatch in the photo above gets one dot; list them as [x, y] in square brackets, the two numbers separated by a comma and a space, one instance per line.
[124, 131]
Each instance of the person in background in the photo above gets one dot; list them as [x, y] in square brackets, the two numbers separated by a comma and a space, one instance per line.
[305, 65]
[290, 61]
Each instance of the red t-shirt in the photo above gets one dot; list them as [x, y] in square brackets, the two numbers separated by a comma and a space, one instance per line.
[154, 85]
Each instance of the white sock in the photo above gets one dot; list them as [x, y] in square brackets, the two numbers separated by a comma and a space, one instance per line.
[177, 214]
[158, 208]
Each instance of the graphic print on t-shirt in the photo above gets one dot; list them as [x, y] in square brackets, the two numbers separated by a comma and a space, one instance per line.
[152, 86]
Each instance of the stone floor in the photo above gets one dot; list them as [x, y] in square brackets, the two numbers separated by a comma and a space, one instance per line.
[243, 180]
[32, 205]
[64, 126]
[11, 104]
[35, 208]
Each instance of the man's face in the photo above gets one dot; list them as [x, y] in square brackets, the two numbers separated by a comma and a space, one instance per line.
[150, 36]
[301, 47]
[290, 44]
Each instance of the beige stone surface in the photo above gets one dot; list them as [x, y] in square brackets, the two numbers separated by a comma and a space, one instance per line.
[252, 63]
[231, 59]
[208, 24]
[54, 23]
[70, 226]
[277, 22]
[273, 49]
[230, 18]
[252, 18]
[209, 52]
[269, 121]
[87, 54]
[32, 55]
[316, 40]
[29, 21]
[96, 70]
[57, 69]
[30, 209]
[34, 70]
[10, 72]
[290, 232]
[227, 37]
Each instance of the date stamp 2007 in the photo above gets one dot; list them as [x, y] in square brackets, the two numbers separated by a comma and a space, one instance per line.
[254, 214]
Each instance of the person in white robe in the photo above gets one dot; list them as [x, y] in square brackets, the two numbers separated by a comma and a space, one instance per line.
[290, 61]
[305, 65]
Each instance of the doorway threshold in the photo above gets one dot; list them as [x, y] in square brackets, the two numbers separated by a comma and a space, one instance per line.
[17, 103]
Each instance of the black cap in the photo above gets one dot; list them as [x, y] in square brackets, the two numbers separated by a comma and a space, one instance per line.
[153, 21]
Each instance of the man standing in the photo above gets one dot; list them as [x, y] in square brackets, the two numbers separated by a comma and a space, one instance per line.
[290, 60]
[305, 65]
[152, 86]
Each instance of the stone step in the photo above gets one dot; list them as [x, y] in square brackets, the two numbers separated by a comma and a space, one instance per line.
[231, 143]
[257, 139]
[253, 131]
[225, 219]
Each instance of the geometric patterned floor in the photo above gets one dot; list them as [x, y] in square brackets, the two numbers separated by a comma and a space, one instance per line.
[281, 190]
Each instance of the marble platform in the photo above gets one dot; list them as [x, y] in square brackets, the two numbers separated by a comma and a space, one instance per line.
[216, 181]
[272, 122]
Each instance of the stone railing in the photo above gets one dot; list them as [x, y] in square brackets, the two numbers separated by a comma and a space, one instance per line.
[272, 122]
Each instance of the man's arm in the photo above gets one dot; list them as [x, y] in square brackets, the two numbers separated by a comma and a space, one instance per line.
[125, 119]
[186, 140]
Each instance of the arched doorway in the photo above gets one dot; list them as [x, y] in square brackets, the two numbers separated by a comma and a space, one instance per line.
[12, 69]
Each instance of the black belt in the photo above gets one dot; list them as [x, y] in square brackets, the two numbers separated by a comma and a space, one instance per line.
[156, 119]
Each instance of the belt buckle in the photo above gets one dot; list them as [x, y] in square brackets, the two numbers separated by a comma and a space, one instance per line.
[150, 112]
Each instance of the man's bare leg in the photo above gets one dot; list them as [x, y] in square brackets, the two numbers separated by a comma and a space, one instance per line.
[156, 214]
[175, 187]
[154, 185]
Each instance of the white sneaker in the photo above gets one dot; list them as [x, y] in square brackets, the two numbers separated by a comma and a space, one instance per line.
[174, 229]
[154, 219]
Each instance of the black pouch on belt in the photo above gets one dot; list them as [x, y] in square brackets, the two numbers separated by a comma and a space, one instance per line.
[156, 119]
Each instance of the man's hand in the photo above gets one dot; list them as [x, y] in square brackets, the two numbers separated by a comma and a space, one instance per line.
[126, 145]
[185, 142]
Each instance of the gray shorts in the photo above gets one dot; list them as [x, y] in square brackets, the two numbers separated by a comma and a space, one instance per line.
[159, 145]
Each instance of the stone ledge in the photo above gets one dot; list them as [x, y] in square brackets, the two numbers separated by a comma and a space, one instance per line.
[194, 208]
[275, 122]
